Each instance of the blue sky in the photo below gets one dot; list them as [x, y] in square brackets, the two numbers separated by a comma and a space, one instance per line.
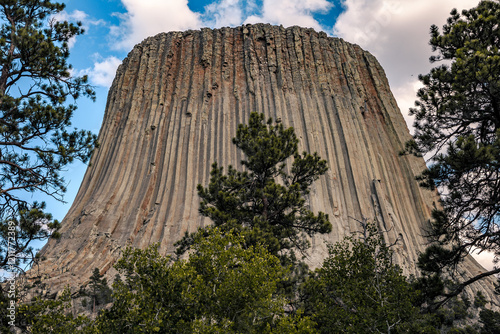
[395, 31]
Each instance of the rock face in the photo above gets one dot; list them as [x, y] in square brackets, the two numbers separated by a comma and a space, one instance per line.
[173, 109]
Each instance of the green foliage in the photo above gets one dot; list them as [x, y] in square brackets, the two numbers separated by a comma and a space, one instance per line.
[465, 330]
[35, 84]
[223, 288]
[45, 316]
[264, 203]
[29, 225]
[458, 310]
[359, 290]
[490, 321]
[430, 286]
[480, 300]
[7, 310]
[150, 297]
[99, 291]
[457, 124]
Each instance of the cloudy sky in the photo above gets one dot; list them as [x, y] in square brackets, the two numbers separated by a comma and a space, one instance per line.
[395, 31]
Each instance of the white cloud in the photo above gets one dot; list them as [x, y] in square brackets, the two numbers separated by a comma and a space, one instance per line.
[103, 72]
[75, 16]
[397, 33]
[405, 94]
[78, 15]
[224, 13]
[485, 258]
[146, 18]
[292, 12]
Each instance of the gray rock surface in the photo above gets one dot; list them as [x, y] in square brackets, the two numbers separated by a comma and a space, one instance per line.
[173, 109]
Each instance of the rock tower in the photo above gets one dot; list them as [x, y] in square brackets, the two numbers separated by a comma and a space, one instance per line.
[174, 108]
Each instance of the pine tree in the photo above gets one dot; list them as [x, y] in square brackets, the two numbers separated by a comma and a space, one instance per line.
[266, 202]
[35, 85]
[99, 289]
[491, 322]
[457, 122]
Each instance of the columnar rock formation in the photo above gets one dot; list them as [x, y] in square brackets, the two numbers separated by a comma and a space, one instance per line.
[173, 109]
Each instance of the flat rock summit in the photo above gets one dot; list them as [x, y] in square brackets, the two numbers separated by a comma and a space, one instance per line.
[173, 110]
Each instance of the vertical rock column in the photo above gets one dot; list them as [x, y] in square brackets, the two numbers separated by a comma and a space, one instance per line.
[173, 109]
